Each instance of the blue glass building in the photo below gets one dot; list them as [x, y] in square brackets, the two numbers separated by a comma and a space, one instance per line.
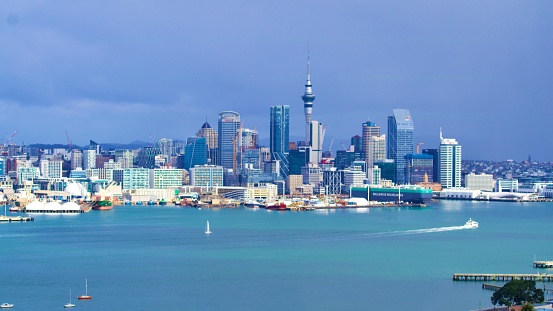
[400, 141]
[195, 152]
[229, 123]
[280, 136]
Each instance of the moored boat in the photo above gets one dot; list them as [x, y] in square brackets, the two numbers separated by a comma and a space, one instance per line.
[277, 206]
[102, 205]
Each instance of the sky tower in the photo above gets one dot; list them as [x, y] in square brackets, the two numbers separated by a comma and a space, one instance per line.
[308, 98]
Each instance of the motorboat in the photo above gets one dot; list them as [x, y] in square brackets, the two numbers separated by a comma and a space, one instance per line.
[6, 305]
[471, 224]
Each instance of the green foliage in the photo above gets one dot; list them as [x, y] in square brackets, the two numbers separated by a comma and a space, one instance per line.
[527, 307]
[517, 292]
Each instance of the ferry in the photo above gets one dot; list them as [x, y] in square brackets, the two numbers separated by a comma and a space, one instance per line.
[471, 224]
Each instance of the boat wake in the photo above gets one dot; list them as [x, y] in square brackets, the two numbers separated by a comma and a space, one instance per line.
[419, 231]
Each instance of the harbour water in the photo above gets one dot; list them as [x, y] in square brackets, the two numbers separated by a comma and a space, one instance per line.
[159, 258]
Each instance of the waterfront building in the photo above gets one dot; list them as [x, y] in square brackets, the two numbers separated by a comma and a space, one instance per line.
[262, 191]
[89, 159]
[450, 162]
[280, 136]
[51, 168]
[400, 140]
[374, 175]
[165, 178]
[353, 176]
[435, 153]
[308, 99]
[506, 185]
[481, 181]
[292, 183]
[100, 174]
[206, 175]
[332, 181]
[312, 174]
[76, 159]
[418, 168]
[229, 123]
[2, 166]
[136, 178]
[196, 152]
[387, 170]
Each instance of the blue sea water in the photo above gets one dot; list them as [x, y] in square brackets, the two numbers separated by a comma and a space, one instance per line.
[159, 258]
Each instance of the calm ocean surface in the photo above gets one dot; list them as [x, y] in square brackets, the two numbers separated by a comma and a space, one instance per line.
[158, 258]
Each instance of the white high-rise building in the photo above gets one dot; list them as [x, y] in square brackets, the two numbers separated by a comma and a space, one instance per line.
[316, 138]
[479, 182]
[89, 159]
[450, 162]
[51, 168]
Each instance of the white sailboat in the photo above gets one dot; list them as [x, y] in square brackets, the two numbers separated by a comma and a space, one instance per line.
[69, 305]
[207, 231]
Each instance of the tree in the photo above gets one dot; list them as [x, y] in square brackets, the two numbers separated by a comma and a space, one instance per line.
[527, 307]
[517, 292]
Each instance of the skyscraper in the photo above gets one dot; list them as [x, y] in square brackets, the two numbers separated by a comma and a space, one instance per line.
[316, 138]
[280, 136]
[373, 147]
[229, 123]
[450, 162]
[308, 99]
[400, 140]
[195, 152]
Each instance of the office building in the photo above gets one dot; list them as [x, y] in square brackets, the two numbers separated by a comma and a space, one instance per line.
[418, 168]
[229, 123]
[400, 140]
[280, 136]
[450, 162]
[481, 181]
[316, 139]
[165, 178]
[76, 159]
[206, 175]
[196, 152]
[51, 168]
[136, 178]
[435, 153]
[89, 159]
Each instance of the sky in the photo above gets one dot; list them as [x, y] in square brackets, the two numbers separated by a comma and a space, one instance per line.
[121, 70]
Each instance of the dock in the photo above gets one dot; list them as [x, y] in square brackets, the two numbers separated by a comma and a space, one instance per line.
[543, 264]
[15, 218]
[540, 277]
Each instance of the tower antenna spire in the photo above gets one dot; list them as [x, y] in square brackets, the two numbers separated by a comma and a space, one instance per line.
[308, 66]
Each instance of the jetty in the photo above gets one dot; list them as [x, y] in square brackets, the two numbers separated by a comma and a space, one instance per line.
[15, 218]
[543, 264]
[540, 277]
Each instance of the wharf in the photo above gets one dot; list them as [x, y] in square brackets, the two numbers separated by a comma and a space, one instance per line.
[15, 218]
[502, 277]
[543, 264]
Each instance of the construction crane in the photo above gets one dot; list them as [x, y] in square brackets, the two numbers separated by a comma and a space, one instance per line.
[9, 138]
[331, 142]
[69, 143]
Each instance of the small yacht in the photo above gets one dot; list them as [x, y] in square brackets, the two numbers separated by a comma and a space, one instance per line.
[6, 305]
[471, 224]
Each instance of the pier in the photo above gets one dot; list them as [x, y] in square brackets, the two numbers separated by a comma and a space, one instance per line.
[502, 277]
[543, 264]
[15, 218]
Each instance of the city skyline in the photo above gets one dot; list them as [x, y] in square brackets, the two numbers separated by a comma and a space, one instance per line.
[112, 73]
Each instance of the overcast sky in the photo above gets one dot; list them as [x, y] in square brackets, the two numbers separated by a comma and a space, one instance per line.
[120, 71]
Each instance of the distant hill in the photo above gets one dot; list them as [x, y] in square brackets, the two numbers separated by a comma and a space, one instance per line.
[106, 146]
